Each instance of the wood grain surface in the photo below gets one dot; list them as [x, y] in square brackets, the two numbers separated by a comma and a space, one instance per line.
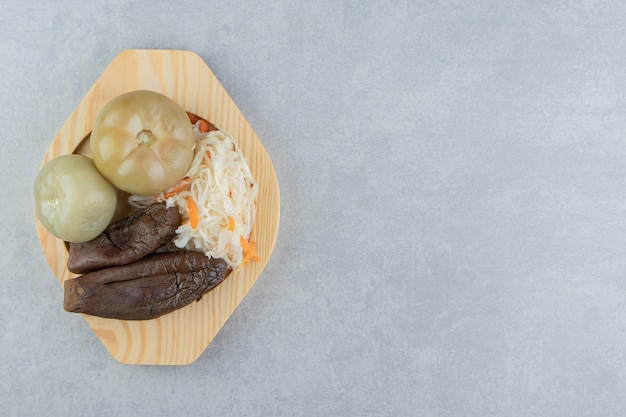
[180, 337]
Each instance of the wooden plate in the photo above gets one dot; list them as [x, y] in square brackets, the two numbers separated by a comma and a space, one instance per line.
[180, 337]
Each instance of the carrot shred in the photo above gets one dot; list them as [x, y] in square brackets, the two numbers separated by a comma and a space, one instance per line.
[204, 126]
[231, 223]
[193, 213]
[249, 251]
[179, 187]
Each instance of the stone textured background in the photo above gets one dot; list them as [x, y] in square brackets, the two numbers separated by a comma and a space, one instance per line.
[453, 231]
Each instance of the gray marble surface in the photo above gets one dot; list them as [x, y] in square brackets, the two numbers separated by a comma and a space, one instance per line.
[453, 231]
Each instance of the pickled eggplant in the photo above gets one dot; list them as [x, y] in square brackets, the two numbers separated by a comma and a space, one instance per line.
[153, 286]
[126, 240]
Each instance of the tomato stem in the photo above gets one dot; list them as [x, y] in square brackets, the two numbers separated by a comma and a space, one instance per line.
[145, 137]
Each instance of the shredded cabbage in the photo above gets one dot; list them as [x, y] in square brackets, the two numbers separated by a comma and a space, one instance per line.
[224, 193]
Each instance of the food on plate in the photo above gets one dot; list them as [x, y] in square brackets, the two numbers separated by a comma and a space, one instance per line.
[217, 199]
[145, 289]
[194, 206]
[142, 142]
[126, 240]
[73, 201]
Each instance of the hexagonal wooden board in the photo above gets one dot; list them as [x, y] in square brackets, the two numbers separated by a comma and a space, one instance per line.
[180, 337]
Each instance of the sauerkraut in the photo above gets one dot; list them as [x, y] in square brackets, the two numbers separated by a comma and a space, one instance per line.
[217, 200]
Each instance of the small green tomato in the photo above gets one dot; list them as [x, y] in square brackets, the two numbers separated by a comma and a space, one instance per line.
[73, 200]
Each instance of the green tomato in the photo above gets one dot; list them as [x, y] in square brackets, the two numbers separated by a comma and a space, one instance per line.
[142, 142]
[73, 200]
